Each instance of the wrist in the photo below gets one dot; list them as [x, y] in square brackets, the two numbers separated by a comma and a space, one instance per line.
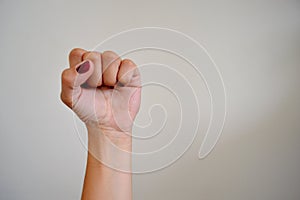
[110, 148]
[122, 139]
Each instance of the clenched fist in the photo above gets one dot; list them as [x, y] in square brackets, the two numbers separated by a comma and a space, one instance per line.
[103, 90]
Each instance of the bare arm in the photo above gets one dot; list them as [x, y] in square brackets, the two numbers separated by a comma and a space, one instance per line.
[104, 182]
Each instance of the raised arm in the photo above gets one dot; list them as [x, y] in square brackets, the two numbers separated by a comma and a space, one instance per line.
[104, 91]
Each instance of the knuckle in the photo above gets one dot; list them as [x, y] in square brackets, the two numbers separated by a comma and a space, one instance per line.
[66, 77]
[75, 52]
[111, 56]
[128, 62]
[92, 55]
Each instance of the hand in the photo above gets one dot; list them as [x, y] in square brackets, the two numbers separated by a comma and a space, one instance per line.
[103, 90]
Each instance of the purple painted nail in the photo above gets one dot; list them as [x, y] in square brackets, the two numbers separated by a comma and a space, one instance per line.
[84, 67]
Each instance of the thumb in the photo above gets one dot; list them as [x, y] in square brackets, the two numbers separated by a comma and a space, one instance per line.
[84, 71]
[72, 79]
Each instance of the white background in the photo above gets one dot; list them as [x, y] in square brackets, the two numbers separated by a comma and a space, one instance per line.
[256, 44]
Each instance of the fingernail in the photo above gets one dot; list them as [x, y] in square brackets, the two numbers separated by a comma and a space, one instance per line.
[84, 67]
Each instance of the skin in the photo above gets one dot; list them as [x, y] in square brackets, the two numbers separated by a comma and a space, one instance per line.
[106, 97]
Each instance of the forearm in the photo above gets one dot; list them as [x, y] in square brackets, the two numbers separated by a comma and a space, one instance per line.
[108, 171]
[104, 183]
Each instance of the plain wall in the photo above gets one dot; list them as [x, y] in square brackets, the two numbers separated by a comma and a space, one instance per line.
[256, 45]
